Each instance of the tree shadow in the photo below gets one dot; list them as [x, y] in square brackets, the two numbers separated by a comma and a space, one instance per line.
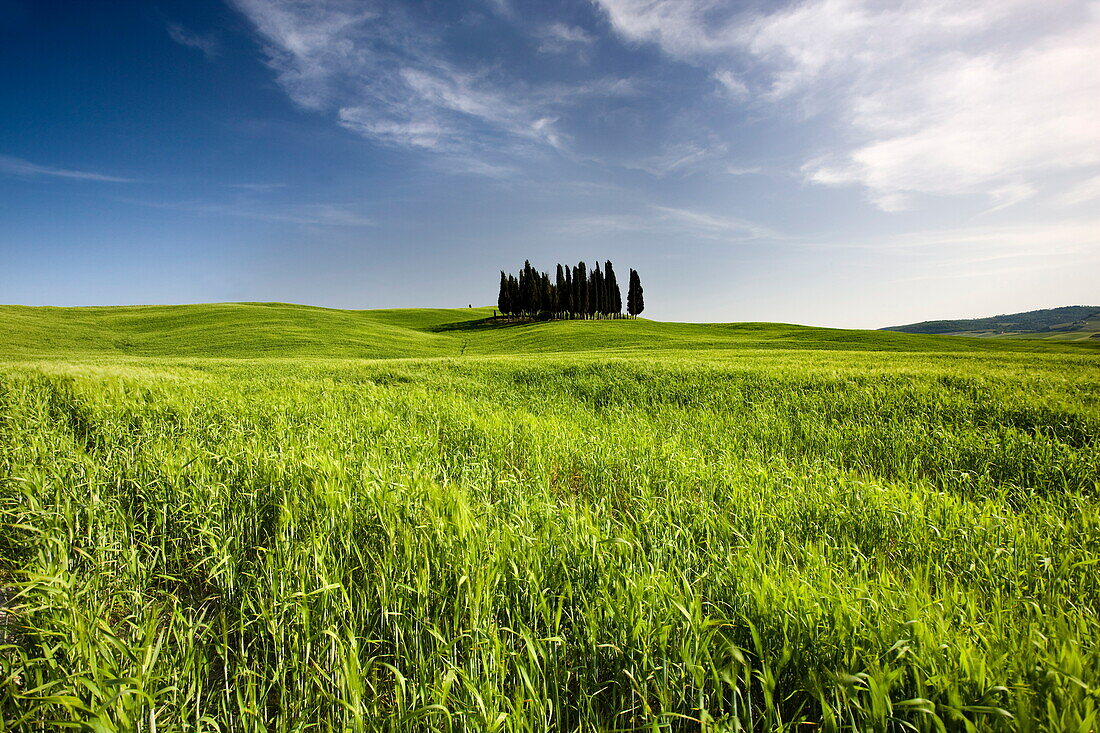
[483, 324]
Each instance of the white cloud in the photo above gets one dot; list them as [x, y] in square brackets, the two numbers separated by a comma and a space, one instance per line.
[989, 123]
[386, 76]
[675, 220]
[309, 43]
[937, 97]
[207, 43]
[961, 246]
[681, 27]
[562, 38]
[311, 214]
[724, 227]
[501, 6]
[25, 168]
[323, 214]
[733, 84]
[1049, 238]
[1083, 192]
[418, 133]
[544, 128]
[676, 158]
[380, 74]
[474, 166]
[986, 251]
[257, 187]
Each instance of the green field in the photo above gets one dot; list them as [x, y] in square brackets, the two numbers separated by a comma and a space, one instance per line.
[1068, 323]
[263, 517]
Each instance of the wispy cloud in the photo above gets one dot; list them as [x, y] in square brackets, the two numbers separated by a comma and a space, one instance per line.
[1076, 239]
[257, 187]
[307, 214]
[724, 227]
[562, 38]
[733, 84]
[677, 157]
[939, 98]
[388, 77]
[26, 169]
[666, 219]
[341, 215]
[382, 75]
[924, 98]
[1040, 238]
[207, 43]
[1083, 192]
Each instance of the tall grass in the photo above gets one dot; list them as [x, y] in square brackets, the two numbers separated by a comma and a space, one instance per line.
[753, 541]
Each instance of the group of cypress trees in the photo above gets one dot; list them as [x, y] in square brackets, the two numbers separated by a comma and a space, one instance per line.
[573, 293]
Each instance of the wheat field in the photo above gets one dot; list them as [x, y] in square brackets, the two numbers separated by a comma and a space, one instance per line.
[777, 533]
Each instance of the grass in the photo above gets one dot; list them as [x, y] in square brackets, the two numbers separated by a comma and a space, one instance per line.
[652, 527]
[278, 330]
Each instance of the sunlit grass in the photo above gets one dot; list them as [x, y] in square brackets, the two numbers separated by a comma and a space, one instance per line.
[755, 539]
[281, 330]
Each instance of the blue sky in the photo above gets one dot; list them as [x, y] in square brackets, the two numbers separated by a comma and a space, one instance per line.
[834, 162]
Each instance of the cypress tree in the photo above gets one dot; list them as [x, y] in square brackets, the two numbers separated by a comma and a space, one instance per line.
[561, 293]
[513, 294]
[605, 306]
[593, 295]
[614, 295]
[575, 303]
[598, 305]
[580, 286]
[528, 288]
[580, 279]
[521, 278]
[568, 295]
[536, 292]
[546, 293]
[635, 303]
[641, 296]
[502, 296]
[630, 293]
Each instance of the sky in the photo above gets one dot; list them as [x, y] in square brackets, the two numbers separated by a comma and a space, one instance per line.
[848, 163]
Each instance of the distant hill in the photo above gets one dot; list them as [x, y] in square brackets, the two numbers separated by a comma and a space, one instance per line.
[263, 330]
[1069, 323]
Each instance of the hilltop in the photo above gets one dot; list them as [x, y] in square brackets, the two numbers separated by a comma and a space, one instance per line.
[1068, 323]
[258, 330]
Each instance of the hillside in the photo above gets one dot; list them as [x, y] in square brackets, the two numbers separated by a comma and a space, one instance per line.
[247, 330]
[1069, 323]
[259, 330]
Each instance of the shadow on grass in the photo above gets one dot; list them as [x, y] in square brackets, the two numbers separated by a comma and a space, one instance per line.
[484, 324]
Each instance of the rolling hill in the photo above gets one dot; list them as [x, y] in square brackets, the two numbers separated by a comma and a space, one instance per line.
[259, 330]
[1069, 323]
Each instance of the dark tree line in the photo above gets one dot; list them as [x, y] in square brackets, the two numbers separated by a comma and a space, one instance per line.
[574, 292]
